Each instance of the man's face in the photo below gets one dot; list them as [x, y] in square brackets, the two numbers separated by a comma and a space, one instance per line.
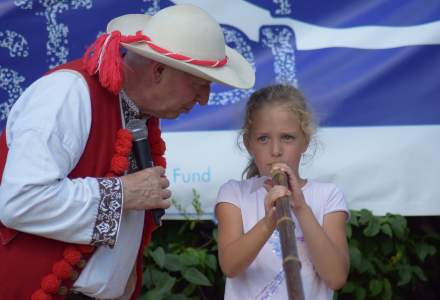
[177, 92]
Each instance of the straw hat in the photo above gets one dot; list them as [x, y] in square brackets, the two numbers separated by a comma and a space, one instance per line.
[184, 37]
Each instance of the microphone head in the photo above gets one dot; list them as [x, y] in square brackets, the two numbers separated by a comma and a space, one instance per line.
[138, 128]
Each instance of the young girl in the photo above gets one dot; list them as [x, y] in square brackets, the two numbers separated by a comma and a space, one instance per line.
[276, 132]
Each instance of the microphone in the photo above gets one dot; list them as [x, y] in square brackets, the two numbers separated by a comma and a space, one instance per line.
[142, 155]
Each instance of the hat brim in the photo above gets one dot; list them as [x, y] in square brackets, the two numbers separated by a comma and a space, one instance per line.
[236, 73]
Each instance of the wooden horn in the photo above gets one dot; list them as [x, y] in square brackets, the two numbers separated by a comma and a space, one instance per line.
[286, 228]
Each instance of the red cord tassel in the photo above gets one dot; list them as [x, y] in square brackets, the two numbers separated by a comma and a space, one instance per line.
[104, 57]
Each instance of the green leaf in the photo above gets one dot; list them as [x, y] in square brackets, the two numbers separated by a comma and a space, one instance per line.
[360, 293]
[189, 289]
[152, 295]
[147, 279]
[195, 276]
[373, 228]
[354, 219]
[182, 228]
[163, 282]
[172, 263]
[188, 258]
[211, 262]
[386, 228]
[355, 257]
[380, 265]
[158, 256]
[162, 279]
[375, 287]
[167, 284]
[367, 267]
[387, 292]
[398, 224]
[365, 216]
[386, 247]
[405, 275]
[177, 297]
[419, 273]
[192, 225]
[423, 250]
[348, 288]
[200, 254]
[349, 231]
[215, 234]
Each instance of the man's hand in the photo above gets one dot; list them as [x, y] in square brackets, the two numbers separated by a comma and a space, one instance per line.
[146, 189]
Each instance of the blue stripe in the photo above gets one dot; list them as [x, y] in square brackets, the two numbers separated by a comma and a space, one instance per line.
[349, 13]
[352, 87]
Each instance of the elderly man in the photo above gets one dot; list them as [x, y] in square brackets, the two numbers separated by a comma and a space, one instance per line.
[75, 209]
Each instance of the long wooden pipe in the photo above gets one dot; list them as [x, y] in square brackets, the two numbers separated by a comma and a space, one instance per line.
[286, 228]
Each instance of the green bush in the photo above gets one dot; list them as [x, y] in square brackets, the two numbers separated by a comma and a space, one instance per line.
[387, 259]
[181, 261]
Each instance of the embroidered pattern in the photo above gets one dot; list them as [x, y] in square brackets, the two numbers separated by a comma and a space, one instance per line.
[109, 212]
[129, 109]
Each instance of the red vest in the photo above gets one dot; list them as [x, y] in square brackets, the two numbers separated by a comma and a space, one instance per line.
[24, 258]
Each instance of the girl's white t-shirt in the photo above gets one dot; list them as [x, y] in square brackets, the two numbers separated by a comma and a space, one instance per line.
[264, 278]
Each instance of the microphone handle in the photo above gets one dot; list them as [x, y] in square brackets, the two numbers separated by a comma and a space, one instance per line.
[142, 154]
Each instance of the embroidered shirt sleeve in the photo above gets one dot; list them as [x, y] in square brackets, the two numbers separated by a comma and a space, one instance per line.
[109, 212]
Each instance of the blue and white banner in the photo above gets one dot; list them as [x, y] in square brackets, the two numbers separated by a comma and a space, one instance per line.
[369, 69]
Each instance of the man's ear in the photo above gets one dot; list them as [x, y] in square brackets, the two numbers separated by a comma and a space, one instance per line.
[158, 69]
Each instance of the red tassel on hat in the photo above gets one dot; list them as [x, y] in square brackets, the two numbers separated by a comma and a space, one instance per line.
[104, 57]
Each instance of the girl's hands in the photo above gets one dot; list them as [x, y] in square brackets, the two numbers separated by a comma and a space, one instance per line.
[297, 199]
[274, 193]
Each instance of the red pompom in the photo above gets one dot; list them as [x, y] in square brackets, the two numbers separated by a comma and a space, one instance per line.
[160, 161]
[123, 147]
[41, 295]
[124, 134]
[156, 142]
[72, 255]
[158, 148]
[153, 134]
[119, 164]
[50, 284]
[62, 269]
[86, 249]
[153, 126]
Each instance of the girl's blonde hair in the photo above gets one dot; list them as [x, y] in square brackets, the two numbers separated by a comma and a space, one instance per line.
[278, 94]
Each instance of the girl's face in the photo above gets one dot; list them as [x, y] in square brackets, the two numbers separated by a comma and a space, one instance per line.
[275, 136]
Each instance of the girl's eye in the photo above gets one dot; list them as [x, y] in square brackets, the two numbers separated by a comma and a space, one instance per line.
[262, 139]
[287, 137]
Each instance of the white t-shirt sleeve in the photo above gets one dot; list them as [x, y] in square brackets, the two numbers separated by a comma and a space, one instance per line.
[47, 131]
[336, 201]
[229, 192]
